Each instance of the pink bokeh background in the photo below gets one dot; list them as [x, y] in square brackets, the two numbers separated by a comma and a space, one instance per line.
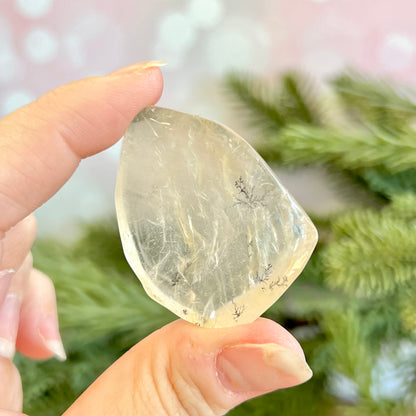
[45, 43]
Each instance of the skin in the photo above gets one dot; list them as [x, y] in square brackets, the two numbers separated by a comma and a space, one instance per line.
[178, 370]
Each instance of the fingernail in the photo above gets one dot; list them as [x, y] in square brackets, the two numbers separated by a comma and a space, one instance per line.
[261, 368]
[7, 348]
[56, 347]
[9, 323]
[5, 278]
[49, 333]
[140, 67]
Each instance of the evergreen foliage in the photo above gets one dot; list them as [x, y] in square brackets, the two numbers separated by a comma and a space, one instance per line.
[353, 309]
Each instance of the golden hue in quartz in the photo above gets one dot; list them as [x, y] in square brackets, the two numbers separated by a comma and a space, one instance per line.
[205, 224]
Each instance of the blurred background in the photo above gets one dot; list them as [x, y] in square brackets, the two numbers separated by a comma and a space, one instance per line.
[46, 43]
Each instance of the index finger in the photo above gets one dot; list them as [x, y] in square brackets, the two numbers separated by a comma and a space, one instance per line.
[42, 143]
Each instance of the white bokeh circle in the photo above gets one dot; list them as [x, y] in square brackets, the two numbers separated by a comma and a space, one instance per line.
[93, 40]
[206, 14]
[41, 45]
[16, 99]
[240, 44]
[33, 9]
[323, 62]
[396, 52]
[176, 32]
[10, 65]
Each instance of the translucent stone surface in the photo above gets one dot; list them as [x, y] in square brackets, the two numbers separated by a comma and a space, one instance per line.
[205, 225]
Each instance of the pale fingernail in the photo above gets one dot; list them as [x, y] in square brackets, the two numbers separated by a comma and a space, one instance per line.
[140, 67]
[5, 278]
[49, 333]
[7, 348]
[261, 368]
[9, 323]
[56, 347]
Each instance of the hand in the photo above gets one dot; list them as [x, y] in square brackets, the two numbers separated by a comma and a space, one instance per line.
[180, 369]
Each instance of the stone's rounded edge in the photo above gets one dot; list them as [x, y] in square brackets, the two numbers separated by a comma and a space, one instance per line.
[133, 260]
[150, 288]
[144, 113]
[314, 233]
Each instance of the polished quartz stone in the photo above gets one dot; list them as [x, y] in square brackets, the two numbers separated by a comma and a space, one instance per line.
[205, 225]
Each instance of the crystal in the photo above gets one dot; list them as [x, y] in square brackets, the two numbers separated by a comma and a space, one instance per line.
[205, 225]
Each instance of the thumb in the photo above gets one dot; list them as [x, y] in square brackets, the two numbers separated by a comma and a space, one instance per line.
[185, 370]
[42, 143]
[11, 388]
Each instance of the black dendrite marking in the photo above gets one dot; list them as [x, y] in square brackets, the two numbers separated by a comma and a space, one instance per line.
[175, 279]
[247, 195]
[238, 310]
[280, 282]
[250, 248]
[179, 276]
[265, 274]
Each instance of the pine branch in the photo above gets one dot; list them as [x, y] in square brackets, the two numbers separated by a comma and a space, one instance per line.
[349, 349]
[367, 257]
[271, 107]
[257, 101]
[375, 101]
[388, 184]
[347, 150]
[376, 408]
[408, 309]
[381, 321]
[298, 99]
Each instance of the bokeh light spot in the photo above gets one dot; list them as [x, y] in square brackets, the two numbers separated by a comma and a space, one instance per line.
[41, 46]
[396, 52]
[240, 44]
[15, 100]
[206, 14]
[34, 9]
[10, 66]
[176, 32]
[323, 62]
[94, 40]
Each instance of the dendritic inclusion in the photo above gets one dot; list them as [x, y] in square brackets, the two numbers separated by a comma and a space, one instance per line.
[205, 225]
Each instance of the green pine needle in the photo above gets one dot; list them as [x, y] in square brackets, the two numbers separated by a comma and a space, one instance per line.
[367, 257]
[354, 149]
[256, 100]
[375, 101]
